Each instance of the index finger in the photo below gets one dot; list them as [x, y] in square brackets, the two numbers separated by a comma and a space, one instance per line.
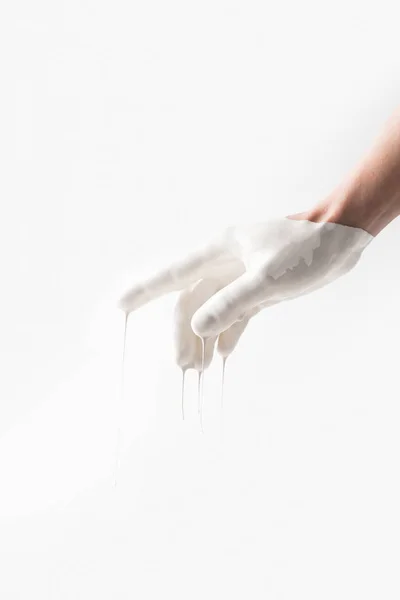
[176, 277]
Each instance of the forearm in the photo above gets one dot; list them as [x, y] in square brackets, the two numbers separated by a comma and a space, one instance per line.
[369, 198]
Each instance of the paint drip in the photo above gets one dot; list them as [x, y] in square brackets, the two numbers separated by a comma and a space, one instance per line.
[120, 407]
[200, 384]
[183, 394]
[223, 380]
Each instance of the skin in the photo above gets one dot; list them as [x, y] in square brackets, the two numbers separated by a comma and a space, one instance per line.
[369, 198]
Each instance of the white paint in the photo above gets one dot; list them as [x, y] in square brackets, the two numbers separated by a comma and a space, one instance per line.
[247, 269]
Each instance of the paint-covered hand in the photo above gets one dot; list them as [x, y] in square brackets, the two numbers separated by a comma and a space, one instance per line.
[248, 268]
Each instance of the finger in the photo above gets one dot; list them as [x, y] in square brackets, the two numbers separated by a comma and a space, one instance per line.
[229, 338]
[188, 346]
[204, 353]
[227, 305]
[184, 338]
[175, 277]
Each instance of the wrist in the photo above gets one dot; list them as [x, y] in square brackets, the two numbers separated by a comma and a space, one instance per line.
[356, 204]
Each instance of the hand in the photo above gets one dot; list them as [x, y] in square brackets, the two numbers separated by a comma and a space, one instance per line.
[224, 284]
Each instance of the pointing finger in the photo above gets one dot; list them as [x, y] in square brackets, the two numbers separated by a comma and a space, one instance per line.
[175, 277]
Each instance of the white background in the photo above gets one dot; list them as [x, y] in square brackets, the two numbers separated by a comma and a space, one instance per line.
[131, 131]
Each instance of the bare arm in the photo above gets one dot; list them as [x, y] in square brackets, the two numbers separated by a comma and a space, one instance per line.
[370, 197]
